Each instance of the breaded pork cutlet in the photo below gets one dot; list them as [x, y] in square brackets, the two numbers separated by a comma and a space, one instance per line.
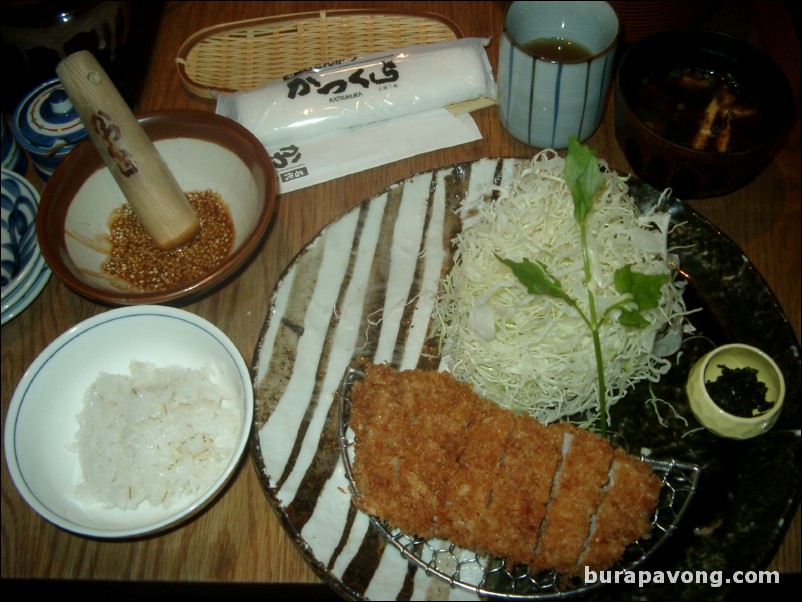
[576, 494]
[530, 462]
[435, 459]
[409, 434]
[467, 494]
[625, 512]
[391, 484]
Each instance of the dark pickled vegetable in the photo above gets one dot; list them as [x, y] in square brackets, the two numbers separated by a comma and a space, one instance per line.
[738, 391]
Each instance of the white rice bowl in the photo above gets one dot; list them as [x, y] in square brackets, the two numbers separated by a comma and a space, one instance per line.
[42, 423]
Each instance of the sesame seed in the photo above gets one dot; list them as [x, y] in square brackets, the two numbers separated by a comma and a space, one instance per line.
[136, 259]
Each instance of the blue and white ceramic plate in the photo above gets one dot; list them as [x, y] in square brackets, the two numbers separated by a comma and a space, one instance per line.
[20, 292]
[20, 202]
[24, 270]
[364, 288]
[29, 295]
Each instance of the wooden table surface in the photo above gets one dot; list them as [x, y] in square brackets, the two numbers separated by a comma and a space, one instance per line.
[239, 539]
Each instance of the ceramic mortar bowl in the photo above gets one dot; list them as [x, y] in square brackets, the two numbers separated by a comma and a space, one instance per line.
[708, 368]
[204, 151]
[665, 90]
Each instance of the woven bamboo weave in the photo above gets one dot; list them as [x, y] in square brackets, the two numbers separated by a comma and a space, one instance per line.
[245, 54]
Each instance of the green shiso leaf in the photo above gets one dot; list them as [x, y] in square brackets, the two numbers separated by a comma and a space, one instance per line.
[583, 177]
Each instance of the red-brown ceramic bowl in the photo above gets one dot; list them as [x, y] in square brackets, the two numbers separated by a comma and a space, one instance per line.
[203, 151]
[657, 131]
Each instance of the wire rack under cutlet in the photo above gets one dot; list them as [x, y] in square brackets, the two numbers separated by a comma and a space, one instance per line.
[490, 577]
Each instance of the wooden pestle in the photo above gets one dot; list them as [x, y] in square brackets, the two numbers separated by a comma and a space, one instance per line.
[130, 155]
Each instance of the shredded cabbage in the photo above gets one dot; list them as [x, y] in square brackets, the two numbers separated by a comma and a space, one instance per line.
[534, 353]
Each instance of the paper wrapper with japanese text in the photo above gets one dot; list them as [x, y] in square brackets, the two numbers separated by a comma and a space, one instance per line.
[353, 114]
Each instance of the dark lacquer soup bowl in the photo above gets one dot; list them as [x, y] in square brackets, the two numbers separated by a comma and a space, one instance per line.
[700, 111]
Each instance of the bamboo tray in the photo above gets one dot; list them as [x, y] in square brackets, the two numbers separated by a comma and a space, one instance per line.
[242, 55]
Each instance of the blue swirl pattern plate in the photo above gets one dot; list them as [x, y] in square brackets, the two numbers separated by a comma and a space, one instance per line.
[23, 271]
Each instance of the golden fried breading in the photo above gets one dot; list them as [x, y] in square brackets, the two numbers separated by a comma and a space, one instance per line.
[435, 459]
[576, 495]
[467, 493]
[409, 435]
[625, 512]
[530, 462]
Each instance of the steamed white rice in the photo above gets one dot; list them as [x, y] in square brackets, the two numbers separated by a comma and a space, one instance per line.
[156, 435]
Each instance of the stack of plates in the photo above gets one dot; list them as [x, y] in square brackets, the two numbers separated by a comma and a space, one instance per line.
[24, 271]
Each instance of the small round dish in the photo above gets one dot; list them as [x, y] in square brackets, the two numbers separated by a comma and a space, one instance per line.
[715, 419]
[42, 422]
[20, 251]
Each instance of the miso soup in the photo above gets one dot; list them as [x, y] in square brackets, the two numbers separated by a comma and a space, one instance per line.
[699, 109]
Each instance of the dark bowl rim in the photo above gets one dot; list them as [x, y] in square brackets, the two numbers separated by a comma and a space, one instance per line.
[786, 102]
[201, 123]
